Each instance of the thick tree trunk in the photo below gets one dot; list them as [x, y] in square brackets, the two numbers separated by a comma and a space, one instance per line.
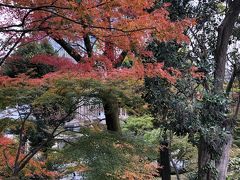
[222, 164]
[224, 32]
[164, 161]
[111, 110]
[204, 158]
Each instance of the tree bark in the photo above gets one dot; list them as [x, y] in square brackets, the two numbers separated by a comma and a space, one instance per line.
[222, 164]
[111, 111]
[109, 51]
[231, 81]
[204, 158]
[87, 43]
[69, 49]
[164, 161]
[224, 32]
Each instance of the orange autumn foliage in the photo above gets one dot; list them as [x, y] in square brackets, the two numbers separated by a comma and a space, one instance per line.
[66, 68]
[195, 73]
[114, 25]
[7, 160]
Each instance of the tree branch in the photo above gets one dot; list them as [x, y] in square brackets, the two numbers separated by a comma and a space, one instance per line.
[69, 49]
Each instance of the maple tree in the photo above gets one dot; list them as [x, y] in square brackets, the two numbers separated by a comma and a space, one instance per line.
[96, 34]
[34, 168]
[108, 155]
[52, 100]
[49, 106]
[116, 27]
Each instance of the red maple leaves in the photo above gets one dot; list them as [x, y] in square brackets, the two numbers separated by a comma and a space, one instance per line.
[7, 160]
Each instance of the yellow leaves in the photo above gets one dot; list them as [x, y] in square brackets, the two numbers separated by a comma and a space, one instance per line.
[131, 175]
[96, 127]
[81, 168]
[78, 168]
[141, 169]
[128, 175]
[123, 145]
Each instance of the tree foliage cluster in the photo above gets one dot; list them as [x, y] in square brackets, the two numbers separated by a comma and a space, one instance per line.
[141, 55]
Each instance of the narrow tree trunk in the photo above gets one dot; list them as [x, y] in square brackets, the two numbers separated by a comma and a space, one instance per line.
[109, 51]
[109, 48]
[88, 46]
[164, 161]
[231, 81]
[15, 173]
[111, 110]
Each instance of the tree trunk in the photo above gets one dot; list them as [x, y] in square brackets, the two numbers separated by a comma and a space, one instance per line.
[224, 32]
[111, 110]
[164, 161]
[204, 158]
[222, 164]
[110, 103]
[231, 81]
[88, 46]
[69, 49]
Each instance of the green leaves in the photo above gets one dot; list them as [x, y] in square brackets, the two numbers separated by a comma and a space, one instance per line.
[139, 125]
[11, 96]
[214, 109]
[107, 155]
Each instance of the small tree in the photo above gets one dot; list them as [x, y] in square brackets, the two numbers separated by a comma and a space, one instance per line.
[46, 105]
[49, 102]
[102, 155]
